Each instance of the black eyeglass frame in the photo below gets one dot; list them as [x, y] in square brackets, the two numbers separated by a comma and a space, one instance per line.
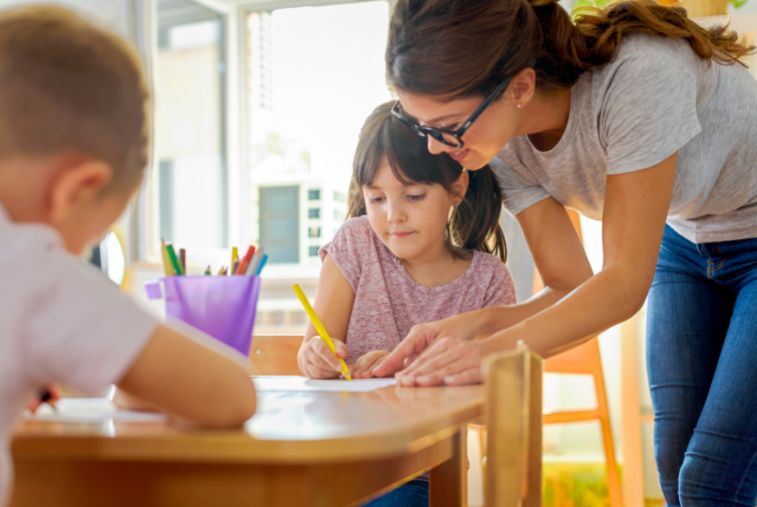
[458, 134]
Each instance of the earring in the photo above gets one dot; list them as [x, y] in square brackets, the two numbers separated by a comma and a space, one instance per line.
[519, 105]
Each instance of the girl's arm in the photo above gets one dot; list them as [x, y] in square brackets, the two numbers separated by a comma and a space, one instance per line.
[333, 304]
[635, 209]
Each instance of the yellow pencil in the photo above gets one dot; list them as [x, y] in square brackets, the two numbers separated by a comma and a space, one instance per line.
[320, 329]
[167, 268]
[234, 256]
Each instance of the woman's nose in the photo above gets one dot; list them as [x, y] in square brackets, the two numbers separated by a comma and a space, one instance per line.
[435, 147]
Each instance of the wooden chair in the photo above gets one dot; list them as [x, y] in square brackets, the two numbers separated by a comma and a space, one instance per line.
[514, 419]
[274, 355]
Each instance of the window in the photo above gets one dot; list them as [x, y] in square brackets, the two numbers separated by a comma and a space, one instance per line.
[191, 177]
[306, 102]
[279, 224]
[313, 251]
[339, 215]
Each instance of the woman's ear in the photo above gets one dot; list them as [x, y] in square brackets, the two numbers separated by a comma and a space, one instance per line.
[76, 185]
[523, 86]
[460, 187]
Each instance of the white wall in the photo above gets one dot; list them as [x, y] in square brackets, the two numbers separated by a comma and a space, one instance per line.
[114, 14]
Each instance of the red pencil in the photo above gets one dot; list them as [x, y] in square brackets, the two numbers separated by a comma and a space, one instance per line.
[246, 261]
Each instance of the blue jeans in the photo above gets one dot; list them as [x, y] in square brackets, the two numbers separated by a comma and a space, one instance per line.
[702, 364]
[411, 494]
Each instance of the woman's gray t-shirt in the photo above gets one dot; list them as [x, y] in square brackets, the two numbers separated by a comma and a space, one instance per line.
[655, 98]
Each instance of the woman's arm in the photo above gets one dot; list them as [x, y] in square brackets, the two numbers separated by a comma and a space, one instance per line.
[636, 205]
[561, 261]
[333, 304]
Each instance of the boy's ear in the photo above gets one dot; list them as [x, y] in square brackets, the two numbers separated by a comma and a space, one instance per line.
[460, 187]
[78, 182]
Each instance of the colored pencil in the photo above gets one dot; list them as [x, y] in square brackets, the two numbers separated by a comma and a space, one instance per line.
[320, 329]
[174, 260]
[262, 264]
[167, 269]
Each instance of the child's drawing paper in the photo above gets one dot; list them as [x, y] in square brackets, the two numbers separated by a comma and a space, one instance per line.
[287, 383]
[91, 410]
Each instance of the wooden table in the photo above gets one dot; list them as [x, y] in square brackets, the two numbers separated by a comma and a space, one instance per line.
[300, 449]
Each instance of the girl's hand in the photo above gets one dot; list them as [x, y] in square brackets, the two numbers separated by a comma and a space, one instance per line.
[447, 361]
[422, 336]
[316, 360]
[364, 366]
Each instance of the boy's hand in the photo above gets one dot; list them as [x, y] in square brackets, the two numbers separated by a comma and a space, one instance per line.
[317, 361]
[52, 390]
[364, 366]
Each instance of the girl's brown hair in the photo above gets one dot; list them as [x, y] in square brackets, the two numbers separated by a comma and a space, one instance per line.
[453, 48]
[474, 224]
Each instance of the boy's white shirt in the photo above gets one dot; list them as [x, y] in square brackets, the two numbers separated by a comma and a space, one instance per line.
[60, 321]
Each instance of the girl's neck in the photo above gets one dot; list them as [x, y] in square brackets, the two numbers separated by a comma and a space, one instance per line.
[436, 268]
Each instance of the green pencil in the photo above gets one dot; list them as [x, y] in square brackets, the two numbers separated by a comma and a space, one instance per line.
[174, 260]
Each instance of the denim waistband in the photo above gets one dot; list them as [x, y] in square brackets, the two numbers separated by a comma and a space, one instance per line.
[710, 249]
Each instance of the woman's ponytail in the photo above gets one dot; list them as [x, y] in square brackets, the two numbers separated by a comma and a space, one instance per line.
[475, 221]
[451, 48]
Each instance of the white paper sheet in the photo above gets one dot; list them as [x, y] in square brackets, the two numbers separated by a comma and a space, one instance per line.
[91, 411]
[287, 383]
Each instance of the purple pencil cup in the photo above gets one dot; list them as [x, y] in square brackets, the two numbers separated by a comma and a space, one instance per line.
[220, 306]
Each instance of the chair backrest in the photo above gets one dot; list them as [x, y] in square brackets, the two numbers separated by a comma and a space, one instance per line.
[514, 422]
[275, 355]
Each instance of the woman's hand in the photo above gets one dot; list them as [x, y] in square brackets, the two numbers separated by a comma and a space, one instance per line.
[447, 361]
[463, 327]
[316, 360]
[364, 366]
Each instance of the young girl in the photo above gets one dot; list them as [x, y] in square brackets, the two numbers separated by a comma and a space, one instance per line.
[422, 243]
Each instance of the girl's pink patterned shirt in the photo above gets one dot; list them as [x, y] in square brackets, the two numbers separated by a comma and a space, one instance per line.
[388, 302]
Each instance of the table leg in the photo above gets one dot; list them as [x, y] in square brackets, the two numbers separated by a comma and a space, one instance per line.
[449, 481]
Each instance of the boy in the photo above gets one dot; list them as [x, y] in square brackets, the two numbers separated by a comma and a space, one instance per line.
[73, 145]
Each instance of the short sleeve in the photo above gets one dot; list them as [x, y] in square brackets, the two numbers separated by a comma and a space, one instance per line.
[519, 191]
[79, 329]
[349, 248]
[649, 108]
[501, 289]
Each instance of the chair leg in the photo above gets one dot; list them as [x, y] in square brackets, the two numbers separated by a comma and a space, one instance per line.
[482, 447]
[613, 478]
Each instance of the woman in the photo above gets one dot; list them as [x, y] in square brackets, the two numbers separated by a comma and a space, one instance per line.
[636, 116]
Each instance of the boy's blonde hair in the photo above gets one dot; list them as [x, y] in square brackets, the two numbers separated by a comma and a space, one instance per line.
[67, 86]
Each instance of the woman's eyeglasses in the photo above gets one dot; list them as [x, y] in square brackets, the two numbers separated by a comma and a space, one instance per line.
[452, 138]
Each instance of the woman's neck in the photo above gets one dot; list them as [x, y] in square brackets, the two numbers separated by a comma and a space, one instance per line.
[545, 118]
[437, 268]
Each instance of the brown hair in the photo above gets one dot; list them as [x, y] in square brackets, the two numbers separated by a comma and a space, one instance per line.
[453, 48]
[68, 86]
[474, 224]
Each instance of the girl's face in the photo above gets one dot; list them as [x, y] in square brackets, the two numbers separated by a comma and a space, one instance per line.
[410, 219]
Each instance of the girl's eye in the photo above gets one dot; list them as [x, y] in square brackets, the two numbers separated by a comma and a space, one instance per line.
[417, 197]
[375, 199]
[454, 126]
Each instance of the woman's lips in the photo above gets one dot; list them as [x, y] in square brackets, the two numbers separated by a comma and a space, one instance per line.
[458, 156]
